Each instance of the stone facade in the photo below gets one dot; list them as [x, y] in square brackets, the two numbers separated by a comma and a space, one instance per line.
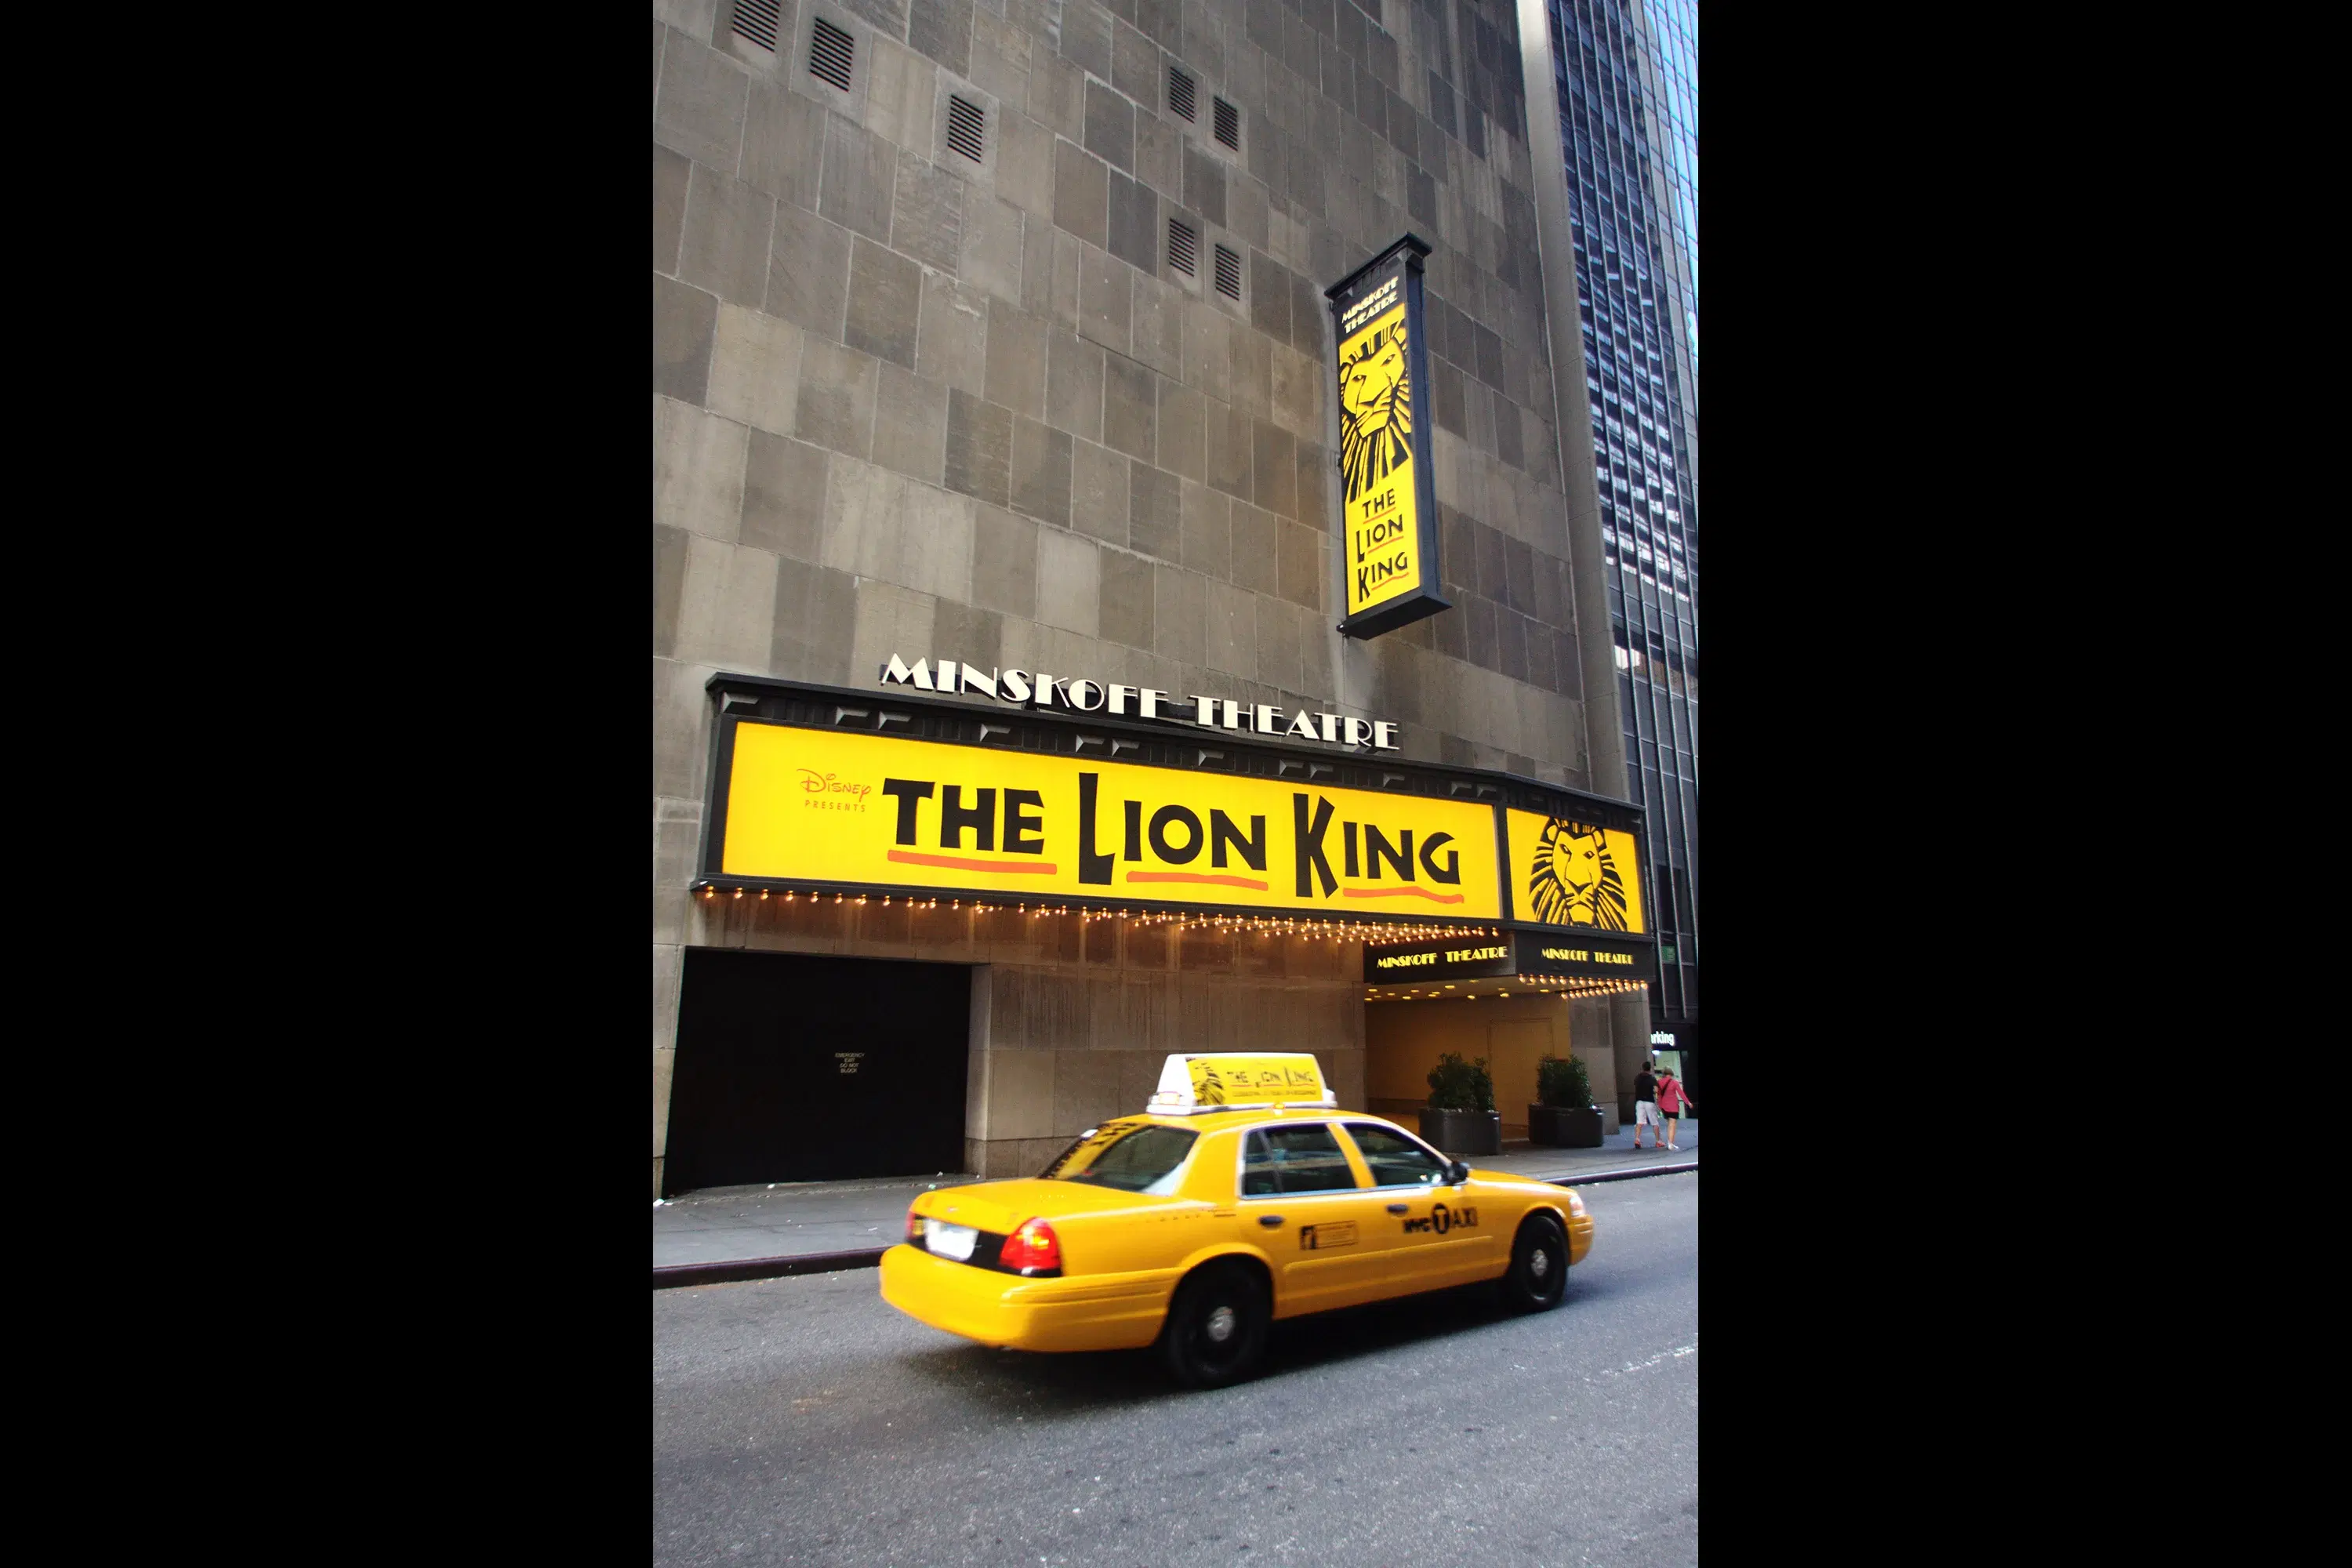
[906, 401]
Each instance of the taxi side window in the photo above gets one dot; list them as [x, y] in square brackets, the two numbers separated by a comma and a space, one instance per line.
[1394, 1159]
[1277, 1160]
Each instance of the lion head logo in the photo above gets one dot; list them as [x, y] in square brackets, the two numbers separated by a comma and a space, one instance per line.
[1375, 411]
[1575, 881]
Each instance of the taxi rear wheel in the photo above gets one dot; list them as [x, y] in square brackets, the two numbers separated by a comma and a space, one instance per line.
[1538, 1272]
[1216, 1326]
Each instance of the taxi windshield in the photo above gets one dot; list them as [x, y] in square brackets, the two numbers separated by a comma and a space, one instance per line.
[1133, 1157]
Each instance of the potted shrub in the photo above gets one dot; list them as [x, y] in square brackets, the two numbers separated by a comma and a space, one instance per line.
[1460, 1117]
[1567, 1118]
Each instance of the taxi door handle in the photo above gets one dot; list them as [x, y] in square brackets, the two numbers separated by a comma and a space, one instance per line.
[1271, 1221]
[1398, 1208]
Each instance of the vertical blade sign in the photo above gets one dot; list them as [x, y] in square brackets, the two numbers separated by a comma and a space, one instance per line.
[1388, 500]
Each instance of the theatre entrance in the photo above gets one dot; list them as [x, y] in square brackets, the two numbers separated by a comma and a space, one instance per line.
[792, 1068]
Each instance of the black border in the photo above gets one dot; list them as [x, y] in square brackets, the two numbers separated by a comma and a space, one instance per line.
[1429, 598]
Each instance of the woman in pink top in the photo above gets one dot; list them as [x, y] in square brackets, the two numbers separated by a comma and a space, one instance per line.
[1672, 1102]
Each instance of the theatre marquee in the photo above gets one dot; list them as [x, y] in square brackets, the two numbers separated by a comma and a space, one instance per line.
[820, 789]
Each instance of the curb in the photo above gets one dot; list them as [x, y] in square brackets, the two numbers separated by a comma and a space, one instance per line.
[1621, 1175]
[740, 1269]
[737, 1269]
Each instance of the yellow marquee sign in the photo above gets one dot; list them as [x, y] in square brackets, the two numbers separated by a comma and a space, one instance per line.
[1567, 873]
[820, 806]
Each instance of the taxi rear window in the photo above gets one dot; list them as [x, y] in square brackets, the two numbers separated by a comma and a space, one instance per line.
[1133, 1159]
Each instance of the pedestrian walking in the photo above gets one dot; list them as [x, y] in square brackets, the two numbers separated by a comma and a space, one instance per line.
[1672, 1102]
[1645, 1108]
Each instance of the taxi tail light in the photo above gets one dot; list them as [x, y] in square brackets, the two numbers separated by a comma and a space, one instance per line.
[914, 1227]
[1033, 1246]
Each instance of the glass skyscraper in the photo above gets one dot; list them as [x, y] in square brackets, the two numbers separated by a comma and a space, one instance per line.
[1625, 75]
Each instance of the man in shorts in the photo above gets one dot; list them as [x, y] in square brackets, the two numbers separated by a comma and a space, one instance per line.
[1645, 1109]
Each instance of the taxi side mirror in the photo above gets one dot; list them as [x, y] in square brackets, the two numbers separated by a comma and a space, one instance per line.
[1456, 1172]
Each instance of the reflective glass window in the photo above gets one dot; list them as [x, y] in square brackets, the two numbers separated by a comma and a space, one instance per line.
[1299, 1159]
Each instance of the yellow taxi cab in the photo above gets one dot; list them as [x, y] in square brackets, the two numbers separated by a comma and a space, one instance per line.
[1241, 1195]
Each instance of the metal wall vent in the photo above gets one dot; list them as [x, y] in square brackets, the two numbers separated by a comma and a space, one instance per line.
[964, 122]
[1229, 274]
[830, 54]
[1184, 248]
[1179, 92]
[1229, 125]
[758, 21]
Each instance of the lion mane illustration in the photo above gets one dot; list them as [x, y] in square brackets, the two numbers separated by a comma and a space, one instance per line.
[1575, 881]
[1375, 412]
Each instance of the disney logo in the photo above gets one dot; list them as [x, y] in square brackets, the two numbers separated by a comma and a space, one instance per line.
[815, 783]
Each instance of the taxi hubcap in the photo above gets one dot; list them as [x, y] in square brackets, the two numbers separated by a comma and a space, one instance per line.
[1221, 1324]
[1540, 1264]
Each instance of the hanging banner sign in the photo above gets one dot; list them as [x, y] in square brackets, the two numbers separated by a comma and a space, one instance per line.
[824, 807]
[1388, 485]
[1574, 875]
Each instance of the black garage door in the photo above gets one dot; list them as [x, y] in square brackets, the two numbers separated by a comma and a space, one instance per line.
[795, 1069]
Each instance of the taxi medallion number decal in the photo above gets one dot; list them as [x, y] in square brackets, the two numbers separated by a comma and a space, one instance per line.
[1442, 1219]
[1316, 1238]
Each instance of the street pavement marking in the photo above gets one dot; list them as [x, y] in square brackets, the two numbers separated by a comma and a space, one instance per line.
[1663, 1356]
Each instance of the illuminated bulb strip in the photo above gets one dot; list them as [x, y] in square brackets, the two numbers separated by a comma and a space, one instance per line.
[1314, 929]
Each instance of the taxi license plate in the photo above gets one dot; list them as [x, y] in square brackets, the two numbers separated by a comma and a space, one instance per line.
[950, 1241]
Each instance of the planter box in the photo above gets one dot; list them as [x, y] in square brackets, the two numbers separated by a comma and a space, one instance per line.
[1464, 1131]
[1564, 1127]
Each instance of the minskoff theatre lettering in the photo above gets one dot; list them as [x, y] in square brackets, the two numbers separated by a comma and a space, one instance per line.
[1077, 694]
[1446, 955]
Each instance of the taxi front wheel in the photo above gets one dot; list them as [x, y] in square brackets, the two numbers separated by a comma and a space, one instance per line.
[1538, 1272]
[1216, 1326]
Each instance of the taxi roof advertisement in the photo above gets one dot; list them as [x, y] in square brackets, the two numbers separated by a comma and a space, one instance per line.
[817, 786]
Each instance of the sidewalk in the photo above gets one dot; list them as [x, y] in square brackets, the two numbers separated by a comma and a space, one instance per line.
[821, 1221]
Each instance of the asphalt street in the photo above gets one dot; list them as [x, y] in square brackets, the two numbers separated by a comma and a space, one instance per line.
[804, 1421]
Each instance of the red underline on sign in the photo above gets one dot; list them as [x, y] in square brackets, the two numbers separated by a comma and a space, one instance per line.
[957, 863]
[1196, 877]
[1413, 889]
